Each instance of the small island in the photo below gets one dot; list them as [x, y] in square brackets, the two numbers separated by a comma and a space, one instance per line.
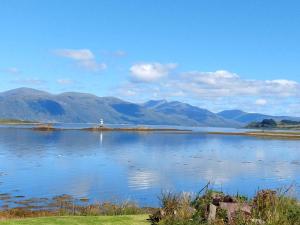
[272, 124]
[49, 127]
[45, 127]
[135, 129]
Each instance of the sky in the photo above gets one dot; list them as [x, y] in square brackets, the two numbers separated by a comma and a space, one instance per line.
[214, 54]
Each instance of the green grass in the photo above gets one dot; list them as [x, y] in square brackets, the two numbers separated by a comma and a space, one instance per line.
[81, 220]
[16, 122]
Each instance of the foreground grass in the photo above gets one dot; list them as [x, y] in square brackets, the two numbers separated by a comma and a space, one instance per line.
[81, 220]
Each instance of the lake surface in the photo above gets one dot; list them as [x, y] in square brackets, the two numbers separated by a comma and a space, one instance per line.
[118, 166]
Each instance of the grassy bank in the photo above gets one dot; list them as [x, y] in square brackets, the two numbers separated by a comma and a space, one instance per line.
[262, 134]
[81, 220]
[267, 207]
[136, 129]
[16, 122]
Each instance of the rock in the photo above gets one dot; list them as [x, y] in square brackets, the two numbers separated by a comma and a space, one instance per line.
[162, 212]
[232, 208]
[212, 213]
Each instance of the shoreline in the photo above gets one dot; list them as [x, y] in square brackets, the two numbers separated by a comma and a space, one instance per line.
[136, 129]
[259, 134]
[285, 135]
[49, 128]
[187, 204]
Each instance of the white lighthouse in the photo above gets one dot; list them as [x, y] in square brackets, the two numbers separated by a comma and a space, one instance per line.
[101, 123]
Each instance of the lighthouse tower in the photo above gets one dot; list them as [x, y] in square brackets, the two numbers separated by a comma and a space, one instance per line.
[101, 123]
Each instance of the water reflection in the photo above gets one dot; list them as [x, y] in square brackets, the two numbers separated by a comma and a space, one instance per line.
[138, 166]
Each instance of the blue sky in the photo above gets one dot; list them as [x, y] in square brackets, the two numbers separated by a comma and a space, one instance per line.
[215, 54]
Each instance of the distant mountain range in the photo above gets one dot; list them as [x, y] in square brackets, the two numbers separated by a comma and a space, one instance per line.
[246, 118]
[31, 104]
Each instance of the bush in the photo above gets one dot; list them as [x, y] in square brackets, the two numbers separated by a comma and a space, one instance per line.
[268, 207]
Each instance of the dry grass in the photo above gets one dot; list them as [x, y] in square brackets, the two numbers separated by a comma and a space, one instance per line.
[268, 208]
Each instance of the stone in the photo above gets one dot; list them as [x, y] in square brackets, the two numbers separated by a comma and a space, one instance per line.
[231, 208]
[212, 213]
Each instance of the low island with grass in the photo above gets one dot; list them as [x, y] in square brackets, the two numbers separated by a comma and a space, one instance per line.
[135, 129]
[51, 127]
[16, 122]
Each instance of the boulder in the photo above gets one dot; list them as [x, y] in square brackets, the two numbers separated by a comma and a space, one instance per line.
[232, 208]
[212, 213]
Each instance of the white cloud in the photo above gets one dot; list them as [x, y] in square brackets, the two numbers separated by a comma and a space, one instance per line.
[261, 102]
[76, 54]
[149, 72]
[84, 58]
[211, 78]
[287, 83]
[218, 84]
[223, 83]
[13, 70]
[65, 81]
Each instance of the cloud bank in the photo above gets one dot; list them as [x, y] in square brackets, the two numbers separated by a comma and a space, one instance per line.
[216, 84]
[215, 90]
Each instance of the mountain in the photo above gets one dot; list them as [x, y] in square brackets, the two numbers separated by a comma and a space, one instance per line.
[245, 118]
[73, 107]
[31, 104]
[184, 111]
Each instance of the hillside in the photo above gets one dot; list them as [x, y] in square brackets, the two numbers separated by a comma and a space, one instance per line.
[246, 118]
[183, 110]
[72, 107]
[35, 105]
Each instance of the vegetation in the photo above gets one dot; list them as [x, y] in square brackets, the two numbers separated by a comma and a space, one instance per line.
[267, 207]
[66, 205]
[80, 220]
[208, 207]
[271, 124]
[16, 121]
[266, 123]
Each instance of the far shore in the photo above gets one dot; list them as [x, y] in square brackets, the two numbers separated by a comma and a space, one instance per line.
[266, 134]
[137, 129]
[49, 127]
[263, 134]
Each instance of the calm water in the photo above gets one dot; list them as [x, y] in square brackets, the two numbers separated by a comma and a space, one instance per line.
[118, 166]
